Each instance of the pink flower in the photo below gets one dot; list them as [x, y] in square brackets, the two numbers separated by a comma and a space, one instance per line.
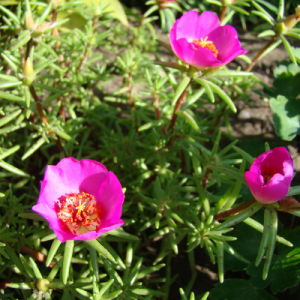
[80, 200]
[270, 175]
[202, 42]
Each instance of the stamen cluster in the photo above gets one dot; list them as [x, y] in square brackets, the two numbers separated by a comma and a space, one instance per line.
[204, 43]
[79, 212]
[268, 173]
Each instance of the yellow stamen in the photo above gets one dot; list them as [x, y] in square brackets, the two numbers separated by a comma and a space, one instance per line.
[205, 44]
[78, 212]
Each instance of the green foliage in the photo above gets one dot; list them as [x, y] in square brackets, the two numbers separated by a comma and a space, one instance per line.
[286, 117]
[285, 103]
[239, 289]
[75, 82]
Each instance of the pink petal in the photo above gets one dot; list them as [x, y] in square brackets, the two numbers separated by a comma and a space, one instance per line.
[50, 215]
[111, 198]
[44, 210]
[71, 169]
[273, 191]
[95, 234]
[226, 41]
[200, 57]
[71, 176]
[278, 158]
[54, 187]
[204, 58]
[192, 26]
[90, 167]
[173, 41]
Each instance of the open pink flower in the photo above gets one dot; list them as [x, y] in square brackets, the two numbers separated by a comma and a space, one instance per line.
[80, 200]
[270, 175]
[202, 42]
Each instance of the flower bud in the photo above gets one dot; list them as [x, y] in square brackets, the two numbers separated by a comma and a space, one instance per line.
[133, 67]
[54, 3]
[227, 2]
[42, 285]
[280, 28]
[29, 23]
[270, 175]
[28, 72]
[40, 29]
[292, 20]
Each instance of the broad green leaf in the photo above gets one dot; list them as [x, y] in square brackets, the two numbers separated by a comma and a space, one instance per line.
[287, 77]
[113, 7]
[294, 190]
[75, 21]
[238, 289]
[286, 117]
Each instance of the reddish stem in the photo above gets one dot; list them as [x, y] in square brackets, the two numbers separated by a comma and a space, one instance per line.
[38, 104]
[233, 211]
[131, 101]
[133, 41]
[44, 119]
[87, 46]
[157, 112]
[204, 180]
[181, 100]
[223, 13]
[261, 52]
[36, 255]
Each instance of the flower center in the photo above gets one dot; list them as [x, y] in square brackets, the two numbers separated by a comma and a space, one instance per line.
[268, 173]
[79, 212]
[205, 44]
